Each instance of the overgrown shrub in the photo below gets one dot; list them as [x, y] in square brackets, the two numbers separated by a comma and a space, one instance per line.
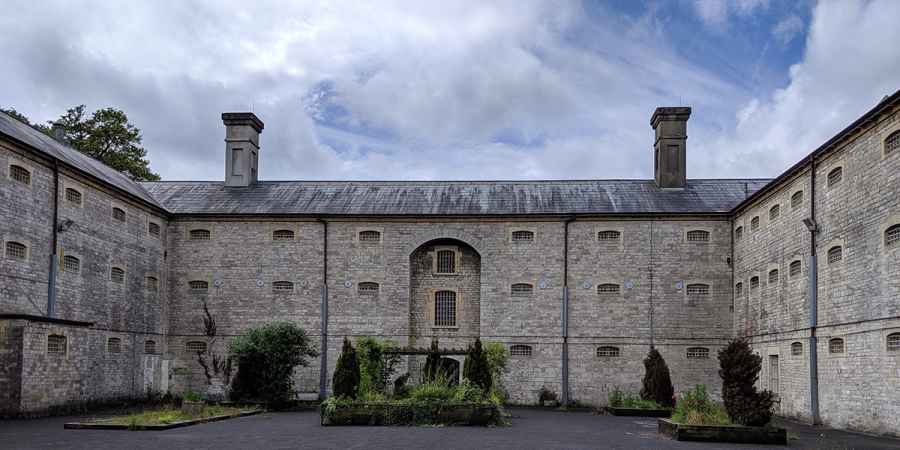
[739, 369]
[266, 357]
[477, 370]
[657, 383]
[433, 368]
[375, 366]
[546, 395]
[345, 382]
[497, 357]
[401, 388]
[619, 399]
[696, 408]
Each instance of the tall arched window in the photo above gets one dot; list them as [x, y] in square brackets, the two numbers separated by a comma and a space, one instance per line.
[774, 212]
[773, 276]
[153, 229]
[754, 223]
[738, 233]
[892, 143]
[835, 346]
[796, 349]
[835, 254]
[117, 275]
[835, 176]
[738, 289]
[797, 199]
[445, 309]
[754, 283]
[893, 342]
[795, 268]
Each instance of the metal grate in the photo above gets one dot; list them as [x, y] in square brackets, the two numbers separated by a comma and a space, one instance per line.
[283, 235]
[150, 347]
[608, 235]
[282, 287]
[117, 275]
[114, 345]
[835, 176]
[195, 347]
[698, 236]
[773, 276]
[200, 235]
[754, 223]
[118, 214]
[835, 254]
[836, 345]
[71, 264]
[73, 196]
[893, 342]
[607, 351]
[198, 286]
[796, 349]
[892, 236]
[795, 269]
[520, 350]
[369, 236]
[698, 353]
[797, 199]
[774, 212]
[152, 284]
[892, 143]
[153, 229]
[608, 289]
[367, 288]
[521, 289]
[445, 309]
[698, 289]
[16, 250]
[20, 174]
[56, 344]
[446, 261]
[522, 236]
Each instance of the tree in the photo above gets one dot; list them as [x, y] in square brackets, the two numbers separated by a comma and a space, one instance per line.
[739, 369]
[266, 357]
[432, 369]
[106, 136]
[657, 383]
[478, 370]
[218, 366]
[345, 382]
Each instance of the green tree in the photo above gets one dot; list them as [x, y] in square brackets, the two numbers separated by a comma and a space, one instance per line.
[345, 382]
[106, 136]
[478, 370]
[657, 383]
[739, 369]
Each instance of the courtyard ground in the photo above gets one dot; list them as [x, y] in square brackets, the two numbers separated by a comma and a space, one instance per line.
[530, 429]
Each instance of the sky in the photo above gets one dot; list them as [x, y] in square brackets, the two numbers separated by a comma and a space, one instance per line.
[457, 90]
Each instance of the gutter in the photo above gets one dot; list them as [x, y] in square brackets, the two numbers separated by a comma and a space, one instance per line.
[565, 314]
[54, 259]
[323, 327]
[813, 294]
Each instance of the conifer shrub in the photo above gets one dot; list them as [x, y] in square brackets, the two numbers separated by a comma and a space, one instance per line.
[345, 382]
[657, 383]
[432, 369]
[478, 370]
[739, 370]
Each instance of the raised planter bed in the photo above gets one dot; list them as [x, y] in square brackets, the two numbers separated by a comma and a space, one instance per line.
[639, 412]
[737, 434]
[99, 425]
[391, 414]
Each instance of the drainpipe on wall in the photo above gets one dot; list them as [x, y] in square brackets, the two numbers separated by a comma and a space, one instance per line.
[813, 291]
[565, 314]
[651, 285]
[323, 368]
[51, 279]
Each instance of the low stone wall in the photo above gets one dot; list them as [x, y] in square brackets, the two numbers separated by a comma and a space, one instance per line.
[392, 414]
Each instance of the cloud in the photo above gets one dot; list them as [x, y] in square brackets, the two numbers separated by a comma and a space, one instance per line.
[716, 13]
[788, 28]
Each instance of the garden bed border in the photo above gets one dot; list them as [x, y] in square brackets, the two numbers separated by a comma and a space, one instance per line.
[737, 434]
[639, 412]
[376, 414]
[160, 427]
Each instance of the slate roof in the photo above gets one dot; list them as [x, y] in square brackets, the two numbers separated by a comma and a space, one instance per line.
[409, 198]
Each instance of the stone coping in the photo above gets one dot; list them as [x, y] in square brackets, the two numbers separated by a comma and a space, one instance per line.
[737, 434]
[45, 319]
[639, 412]
[160, 427]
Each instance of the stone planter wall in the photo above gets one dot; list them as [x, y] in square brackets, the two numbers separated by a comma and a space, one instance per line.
[390, 414]
[737, 434]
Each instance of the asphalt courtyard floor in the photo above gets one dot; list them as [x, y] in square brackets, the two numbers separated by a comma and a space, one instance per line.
[538, 429]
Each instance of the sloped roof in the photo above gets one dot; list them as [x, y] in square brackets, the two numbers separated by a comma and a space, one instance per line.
[413, 198]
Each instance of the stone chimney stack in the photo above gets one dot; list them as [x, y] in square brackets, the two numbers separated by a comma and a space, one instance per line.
[670, 146]
[242, 131]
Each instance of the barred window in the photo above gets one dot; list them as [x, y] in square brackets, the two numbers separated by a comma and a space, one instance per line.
[152, 284]
[698, 353]
[19, 174]
[445, 309]
[521, 289]
[16, 250]
[73, 196]
[835, 176]
[893, 342]
[198, 286]
[153, 229]
[114, 345]
[369, 236]
[71, 264]
[282, 287]
[150, 347]
[774, 212]
[283, 235]
[117, 275]
[199, 235]
[795, 268]
[56, 344]
[835, 346]
[754, 223]
[118, 214]
[608, 235]
[698, 289]
[446, 261]
[892, 143]
[754, 283]
[522, 236]
[892, 236]
[797, 199]
[195, 347]
[519, 350]
[738, 233]
[608, 289]
[773, 276]
[698, 236]
[797, 348]
[367, 288]
[835, 254]
[739, 289]
[607, 351]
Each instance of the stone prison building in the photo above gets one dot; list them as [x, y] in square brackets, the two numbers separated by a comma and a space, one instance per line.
[102, 279]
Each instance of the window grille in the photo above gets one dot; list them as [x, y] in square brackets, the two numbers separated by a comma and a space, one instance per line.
[367, 288]
[200, 235]
[150, 347]
[607, 351]
[892, 236]
[446, 261]
[698, 236]
[754, 283]
[283, 235]
[738, 233]
[153, 229]
[608, 289]
[836, 346]
[198, 286]
[739, 289]
[445, 309]
[773, 276]
[195, 347]
[795, 269]
[698, 289]
[698, 353]
[522, 236]
[369, 236]
[754, 223]
[56, 344]
[608, 235]
[521, 290]
[20, 174]
[118, 214]
[114, 345]
[796, 349]
[835, 254]
[71, 264]
[774, 212]
[16, 250]
[73, 196]
[892, 143]
[520, 350]
[282, 287]
[797, 199]
[152, 284]
[835, 176]
[893, 342]
[117, 275]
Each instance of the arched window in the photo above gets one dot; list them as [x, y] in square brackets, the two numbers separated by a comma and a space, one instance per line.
[835, 254]
[893, 342]
[370, 236]
[445, 262]
[608, 235]
[152, 284]
[522, 236]
[153, 229]
[283, 235]
[608, 289]
[774, 212]
[797, 199]
[195, 347]
[16, 250]
[20, 174]
[150, 347]
[892, 143]
[607, 351]
[835, 176]
[739, 289]
[199, 235]
[835, 346]
[117, 275]
[519, 350]
[773, 276]
[521, 289]
[754, 283]
[57, 343]
[738, 233]
[367, 288]
[445, 309]
[754, 223]
[198, 286]
[892, 236]
[796, 348]
[71, 264]
[697, 353]
[282, 287]
[697, 292]
[114, 345]
[698, 236]
[795, 268]
[73, 196]
[118, 214]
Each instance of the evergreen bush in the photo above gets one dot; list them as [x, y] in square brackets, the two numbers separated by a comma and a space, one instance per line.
[345, 382]
[657, 383]
[739, 370]
[432, 369]
[478, 370]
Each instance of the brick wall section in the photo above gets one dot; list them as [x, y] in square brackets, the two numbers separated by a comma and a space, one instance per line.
[10, 366]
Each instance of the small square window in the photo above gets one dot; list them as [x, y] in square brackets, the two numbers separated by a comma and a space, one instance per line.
[836, 346]
[114, 345]
[56, 344]
[796, 349]
[835, 254]
[73, 196]
[150, 347]
[16, 250]
[118, 214]
[892, 236]
[153, 229]
[20, 174]
[892, 143]
[445, 262]
[117, 275]
[893, 342]
[71, 264]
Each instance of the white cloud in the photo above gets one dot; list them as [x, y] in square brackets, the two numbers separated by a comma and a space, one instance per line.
[716, 13]
[788, 28]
